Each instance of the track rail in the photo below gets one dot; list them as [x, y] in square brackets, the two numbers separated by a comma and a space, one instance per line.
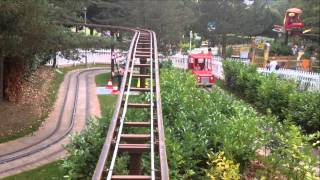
[60, 131]
[142, 57]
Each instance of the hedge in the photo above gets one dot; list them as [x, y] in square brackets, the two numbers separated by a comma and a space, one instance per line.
[280, 97]
[198, 123]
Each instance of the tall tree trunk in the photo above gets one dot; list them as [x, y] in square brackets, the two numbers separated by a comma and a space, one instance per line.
[91, 31]
[54, 63]
[1, 77]
[224, 46]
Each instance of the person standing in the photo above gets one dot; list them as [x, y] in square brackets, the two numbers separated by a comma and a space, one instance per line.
[120, 75]
[273, 64]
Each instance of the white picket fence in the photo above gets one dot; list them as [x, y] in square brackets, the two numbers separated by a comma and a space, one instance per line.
[305, 80]
[179, 61]
[100, 56]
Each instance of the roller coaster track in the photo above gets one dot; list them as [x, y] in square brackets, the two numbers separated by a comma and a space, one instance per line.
[142, 58]
[30, 151]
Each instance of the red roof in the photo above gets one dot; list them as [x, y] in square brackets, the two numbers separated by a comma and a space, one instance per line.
[198, 56]
[202, 72]
[294, 10]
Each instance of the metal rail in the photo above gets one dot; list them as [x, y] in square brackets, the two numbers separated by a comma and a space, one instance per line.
[41, 144]
[27, 150]
[144, 48]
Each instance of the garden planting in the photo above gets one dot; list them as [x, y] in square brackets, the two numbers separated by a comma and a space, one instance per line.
[272, 95]
[203, 126]
[209, 135]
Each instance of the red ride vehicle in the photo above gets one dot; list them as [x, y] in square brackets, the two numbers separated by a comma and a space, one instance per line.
[201, 67]
[292, 24]
[292, 21]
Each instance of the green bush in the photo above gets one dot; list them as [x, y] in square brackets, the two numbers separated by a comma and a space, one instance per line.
[197, 122]
[85, 148]
[166, 64]
[221, 168]
[203, 121]
[229, 51]
[268, 93]
[278, 48]
[304, 110]
[273, 94]
[291, 156]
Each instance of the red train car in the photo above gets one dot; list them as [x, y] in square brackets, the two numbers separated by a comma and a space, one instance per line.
[201, 67]
[292, 21]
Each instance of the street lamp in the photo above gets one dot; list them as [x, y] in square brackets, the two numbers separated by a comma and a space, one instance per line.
[190, 43]
[85, 32]
[85, 19]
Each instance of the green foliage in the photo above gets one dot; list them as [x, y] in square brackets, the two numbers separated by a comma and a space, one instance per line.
[186, 46]
[229, 51]
[221, 168]
[305, 106]
[278, 48]
[29, 30]
[268, 93]
[166, 64]
[203, 122]
[310, 14]
[49, 171]
[85, 148]
[311, 49]
[292, 156]
[274, 94]
[214, 122]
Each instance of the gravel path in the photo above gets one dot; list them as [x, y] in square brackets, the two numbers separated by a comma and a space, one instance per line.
[76, 101]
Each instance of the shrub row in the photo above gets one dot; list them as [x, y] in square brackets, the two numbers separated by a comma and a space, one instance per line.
[278, 48]
[268, 93]
[198, 123]
[84, 149]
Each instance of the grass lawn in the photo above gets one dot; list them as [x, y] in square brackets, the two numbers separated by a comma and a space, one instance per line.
[46, 172]
[53, 170]
[102, 79]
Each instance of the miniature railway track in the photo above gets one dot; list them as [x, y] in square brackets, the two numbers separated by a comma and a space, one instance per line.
[142, 57]
[64, 125]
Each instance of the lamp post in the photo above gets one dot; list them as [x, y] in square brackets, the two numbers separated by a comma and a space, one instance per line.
[190, 41]
[85, 32]
[85, 19]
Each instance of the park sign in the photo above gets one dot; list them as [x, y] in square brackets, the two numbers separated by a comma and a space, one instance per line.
[260, 41]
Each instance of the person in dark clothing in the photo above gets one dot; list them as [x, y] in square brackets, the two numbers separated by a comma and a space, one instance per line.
[120, 74]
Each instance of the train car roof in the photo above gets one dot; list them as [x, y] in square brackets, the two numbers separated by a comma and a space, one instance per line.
[294, 10]
[197, 56]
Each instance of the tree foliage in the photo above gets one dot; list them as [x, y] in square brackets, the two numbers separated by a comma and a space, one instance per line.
[29, 28]
[167, 18]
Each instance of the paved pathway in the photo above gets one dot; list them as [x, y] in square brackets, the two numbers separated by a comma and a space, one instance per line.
[87, 105]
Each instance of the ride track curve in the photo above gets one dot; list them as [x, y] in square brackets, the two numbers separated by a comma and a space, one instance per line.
[157, 138]
[143, 48]
[43, 147]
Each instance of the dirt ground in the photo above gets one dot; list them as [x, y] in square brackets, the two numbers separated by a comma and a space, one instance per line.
[25, 116]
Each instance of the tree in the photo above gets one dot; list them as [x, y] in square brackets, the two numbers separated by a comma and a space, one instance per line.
[29, 29]
[167, 18]
[233, 17]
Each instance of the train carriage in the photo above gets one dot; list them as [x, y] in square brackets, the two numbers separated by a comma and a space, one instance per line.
[201, 67]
